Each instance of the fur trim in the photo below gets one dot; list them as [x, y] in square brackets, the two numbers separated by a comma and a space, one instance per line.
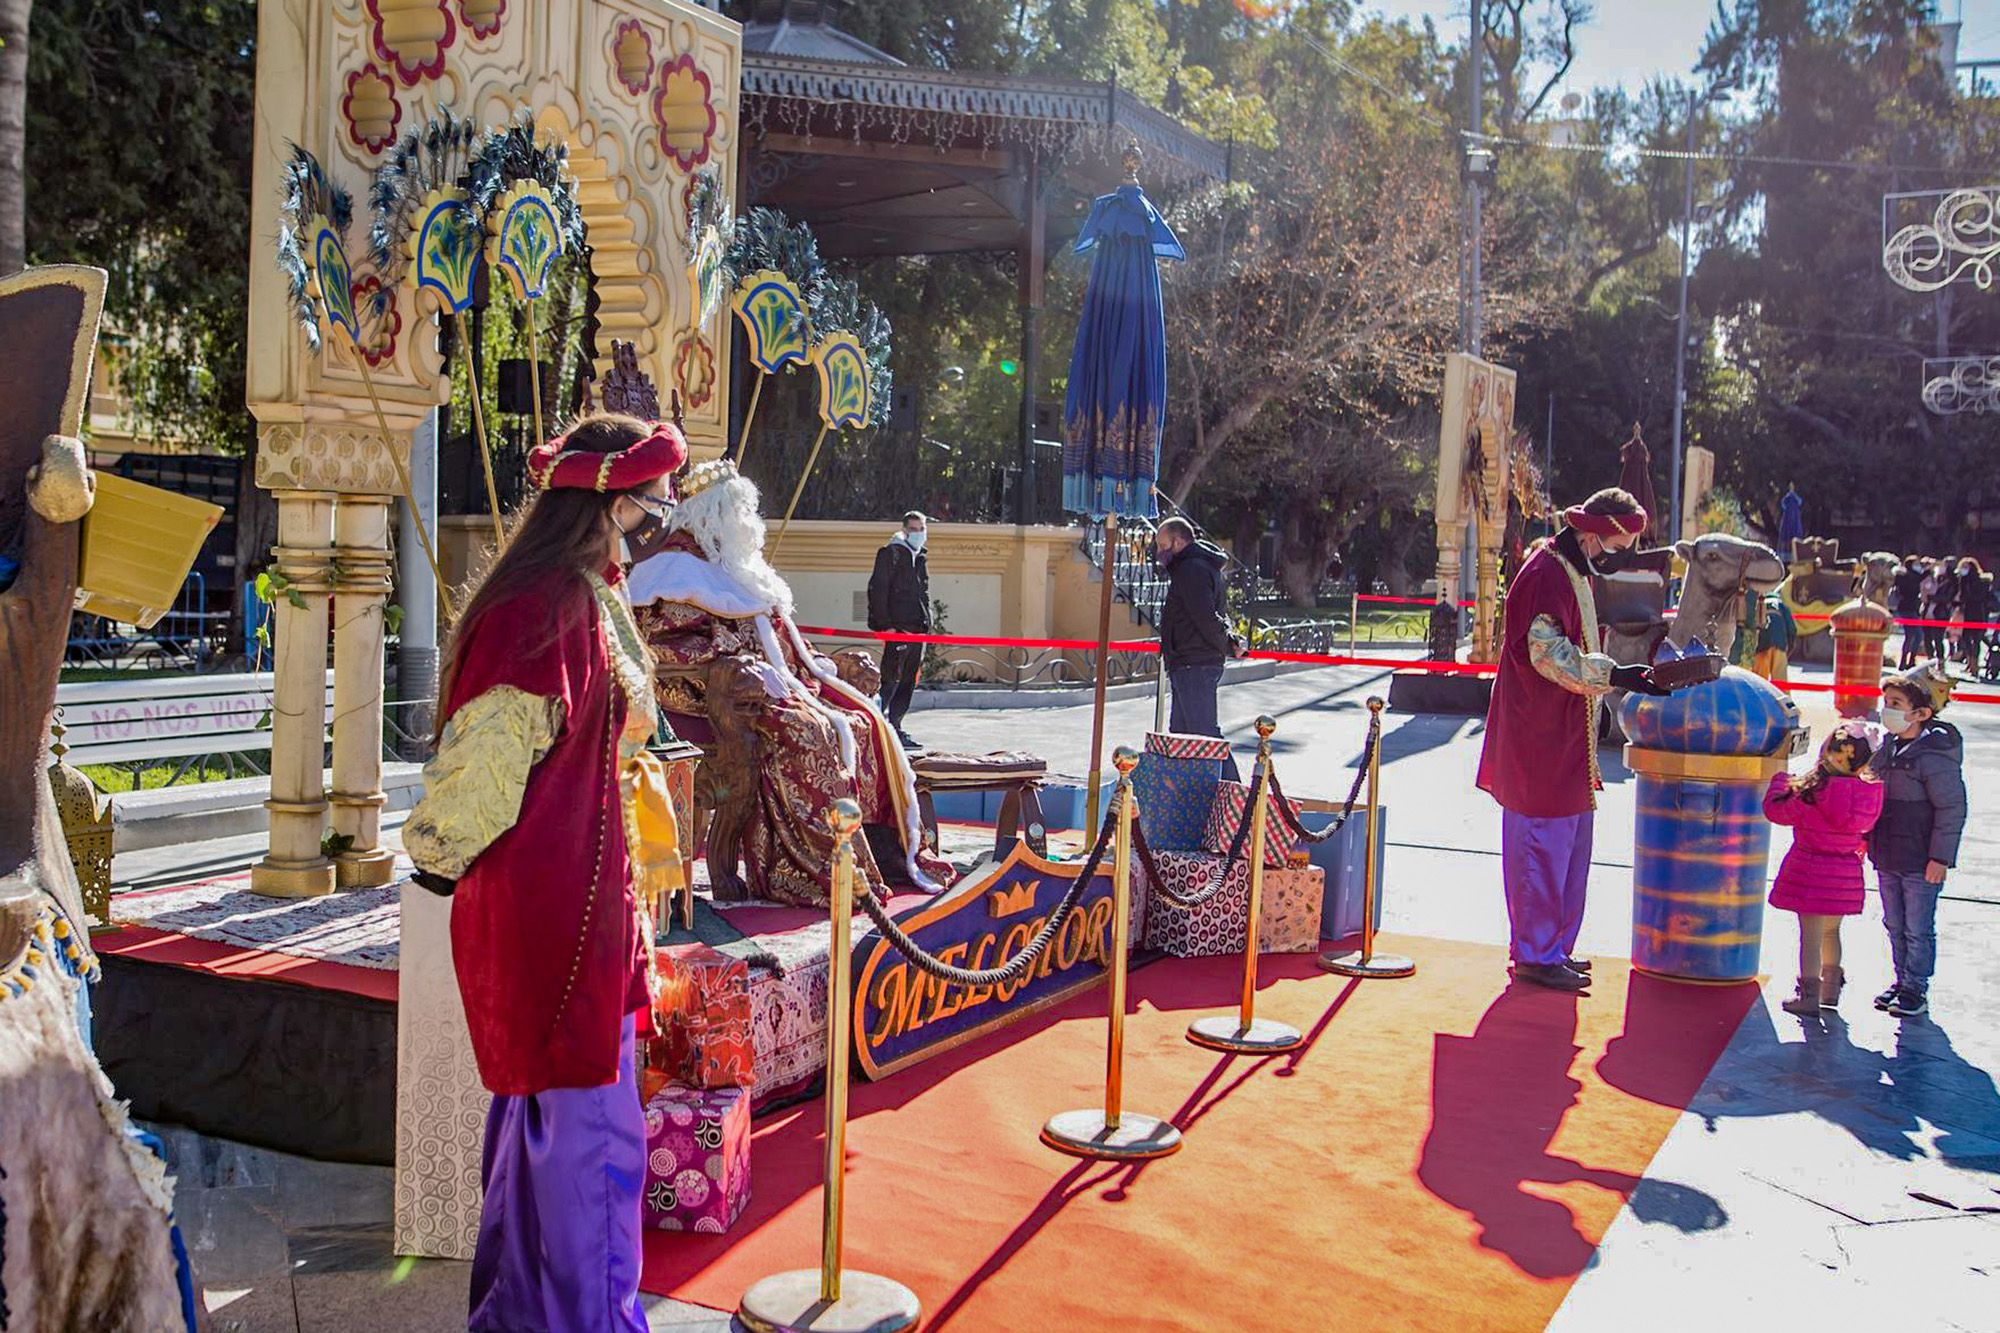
[682, 576]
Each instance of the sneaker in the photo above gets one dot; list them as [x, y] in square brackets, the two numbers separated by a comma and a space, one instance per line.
[1908, 1004]
[1888, 997]
[909, 742]
[1554, 976]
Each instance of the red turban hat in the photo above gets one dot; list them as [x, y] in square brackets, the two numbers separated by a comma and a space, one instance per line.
[555, 464]
[1604, 525]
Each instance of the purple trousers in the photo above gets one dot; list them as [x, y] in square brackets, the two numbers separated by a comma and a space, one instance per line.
[558, 1244]
[1546, 865]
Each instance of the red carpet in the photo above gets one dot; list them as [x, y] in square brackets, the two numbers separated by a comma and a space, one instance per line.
[1444, 1153]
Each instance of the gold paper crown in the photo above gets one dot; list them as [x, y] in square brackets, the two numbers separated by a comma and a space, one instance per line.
[1926, 682]
[704, 475]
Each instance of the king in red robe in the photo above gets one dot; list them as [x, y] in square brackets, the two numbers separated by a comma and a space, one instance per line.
[1540, 756]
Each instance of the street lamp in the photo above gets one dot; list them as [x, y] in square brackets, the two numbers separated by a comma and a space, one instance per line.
[1672, 528]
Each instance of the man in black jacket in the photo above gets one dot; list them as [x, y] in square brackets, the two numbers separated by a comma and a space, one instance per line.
[899, 599]
[1194, 638]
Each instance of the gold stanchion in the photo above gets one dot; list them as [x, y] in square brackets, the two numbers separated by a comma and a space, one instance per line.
[1368, 963]
[1113, 1133]
[829, 1299]
[1247, 1032]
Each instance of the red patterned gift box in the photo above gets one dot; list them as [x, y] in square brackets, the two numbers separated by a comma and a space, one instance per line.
[703, 1027]
[1175, 783]
[1288, 923]
[1232, 801]
[697, 1158]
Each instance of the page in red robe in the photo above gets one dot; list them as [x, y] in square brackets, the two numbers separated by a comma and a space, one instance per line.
[1540, 738]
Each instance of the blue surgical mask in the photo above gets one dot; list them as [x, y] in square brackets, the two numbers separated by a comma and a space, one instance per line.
[916, 539]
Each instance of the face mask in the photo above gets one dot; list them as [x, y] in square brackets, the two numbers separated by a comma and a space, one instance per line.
[1895, 720]
[642, 534]
[1610, 562]
[916, 539]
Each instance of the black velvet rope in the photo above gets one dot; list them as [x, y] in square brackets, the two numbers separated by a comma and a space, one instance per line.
[1017, 966]
[1292, 822]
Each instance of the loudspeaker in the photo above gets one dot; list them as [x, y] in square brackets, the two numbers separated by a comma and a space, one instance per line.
[517, 394]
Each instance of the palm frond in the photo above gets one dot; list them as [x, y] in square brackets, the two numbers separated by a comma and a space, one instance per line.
[709, 206]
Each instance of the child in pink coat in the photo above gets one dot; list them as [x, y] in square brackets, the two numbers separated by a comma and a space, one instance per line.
[1830, 811]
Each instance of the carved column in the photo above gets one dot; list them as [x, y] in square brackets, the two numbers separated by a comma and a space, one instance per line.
[360, 593]
[294, 867]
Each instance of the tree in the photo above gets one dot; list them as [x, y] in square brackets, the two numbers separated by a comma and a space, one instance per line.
[138, 161]
[13, 133]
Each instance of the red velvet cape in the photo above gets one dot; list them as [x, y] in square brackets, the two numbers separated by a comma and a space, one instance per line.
[543, 934]
[1536, 760]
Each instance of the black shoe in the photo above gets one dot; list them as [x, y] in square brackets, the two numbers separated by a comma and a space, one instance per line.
[1578, 965]
[1908, 1004]
[1888, 997]
[910, 742]
[1554, 976]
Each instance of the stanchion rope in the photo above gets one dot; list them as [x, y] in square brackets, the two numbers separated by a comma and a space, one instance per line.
[1290, 816]
[1015, 967]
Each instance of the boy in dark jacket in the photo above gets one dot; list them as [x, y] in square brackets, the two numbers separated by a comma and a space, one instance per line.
[1194, 637]
[1914, 844]
[899, 599]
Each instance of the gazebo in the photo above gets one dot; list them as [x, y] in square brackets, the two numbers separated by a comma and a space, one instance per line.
[884, 158]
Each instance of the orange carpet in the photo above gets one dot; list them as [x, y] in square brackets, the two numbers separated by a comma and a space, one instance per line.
[1445, 1152]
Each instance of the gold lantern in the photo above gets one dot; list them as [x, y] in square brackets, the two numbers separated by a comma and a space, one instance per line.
[86, 823]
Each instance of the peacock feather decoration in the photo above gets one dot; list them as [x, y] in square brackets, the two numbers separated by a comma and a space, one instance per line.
[503, 158]
[766, 239]
[311, 205]
[431, 156]
[837, 304]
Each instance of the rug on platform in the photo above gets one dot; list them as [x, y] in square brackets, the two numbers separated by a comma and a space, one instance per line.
[1445, 1152]
[360, 927]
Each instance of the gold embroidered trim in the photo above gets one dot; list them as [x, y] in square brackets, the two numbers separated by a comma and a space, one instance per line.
[474, 785]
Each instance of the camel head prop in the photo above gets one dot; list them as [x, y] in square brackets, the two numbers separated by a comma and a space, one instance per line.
[1875, 576]
[1721, 570]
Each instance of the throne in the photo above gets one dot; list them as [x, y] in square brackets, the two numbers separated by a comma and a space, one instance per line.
[715, 708]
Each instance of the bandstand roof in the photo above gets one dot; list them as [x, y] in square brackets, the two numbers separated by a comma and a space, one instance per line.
[884, 158]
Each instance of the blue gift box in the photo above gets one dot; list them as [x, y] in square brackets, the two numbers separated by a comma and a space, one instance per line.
[1176, 782]
[1341, 858]
[1063, 802]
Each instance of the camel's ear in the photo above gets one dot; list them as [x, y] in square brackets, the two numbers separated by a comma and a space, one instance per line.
[1685, 550]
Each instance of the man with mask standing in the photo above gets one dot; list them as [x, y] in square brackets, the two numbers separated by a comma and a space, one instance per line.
[899, 600]
[1194, 638]
[1540, 757]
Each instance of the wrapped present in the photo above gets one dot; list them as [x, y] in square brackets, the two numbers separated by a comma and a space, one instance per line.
[1231, 808]
[1175, 783]
[703, 1026]
[1288, 923]
[697, 1158]
[1341, 858]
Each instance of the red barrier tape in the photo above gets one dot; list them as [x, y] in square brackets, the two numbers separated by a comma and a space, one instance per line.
[1313, 659]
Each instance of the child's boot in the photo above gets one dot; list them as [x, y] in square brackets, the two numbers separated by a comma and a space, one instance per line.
[1805, 1000]
[1832, 980]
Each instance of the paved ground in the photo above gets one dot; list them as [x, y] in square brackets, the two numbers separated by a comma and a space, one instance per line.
[1837, 1175]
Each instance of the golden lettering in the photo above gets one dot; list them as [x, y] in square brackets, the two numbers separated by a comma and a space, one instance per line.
[1017, 936]
[949, 957]
[978, 995]
[1097, 930]
[900, 1001]
[1069, 941]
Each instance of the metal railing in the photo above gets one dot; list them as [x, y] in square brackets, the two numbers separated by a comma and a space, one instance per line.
[190, 635]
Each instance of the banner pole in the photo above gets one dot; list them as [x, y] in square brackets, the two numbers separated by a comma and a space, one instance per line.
[1368, 963]
[403, 477]
[830, 1299]
[1113, 1133]
[1246, 1031]
[799, 489]
[479, 424]
[1096, 778]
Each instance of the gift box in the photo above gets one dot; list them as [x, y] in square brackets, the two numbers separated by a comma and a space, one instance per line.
[1287, 923]
[697, 1158]
[1341, 858]
[702, 1027]
[1175, 783]
[1231, 808]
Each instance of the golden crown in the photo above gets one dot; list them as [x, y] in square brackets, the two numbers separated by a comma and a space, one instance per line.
[704, 475]
[1006, 902]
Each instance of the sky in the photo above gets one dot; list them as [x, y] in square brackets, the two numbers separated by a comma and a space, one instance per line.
[1631, 40]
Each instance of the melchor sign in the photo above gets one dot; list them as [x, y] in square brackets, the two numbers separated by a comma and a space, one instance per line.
[902, 1016]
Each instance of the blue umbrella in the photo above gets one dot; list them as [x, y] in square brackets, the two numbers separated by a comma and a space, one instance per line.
[1117, 397]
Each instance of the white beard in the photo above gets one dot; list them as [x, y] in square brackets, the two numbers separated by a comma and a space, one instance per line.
[724, 521]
